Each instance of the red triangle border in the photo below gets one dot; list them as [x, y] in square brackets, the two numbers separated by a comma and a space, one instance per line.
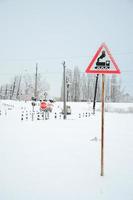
[88, 70]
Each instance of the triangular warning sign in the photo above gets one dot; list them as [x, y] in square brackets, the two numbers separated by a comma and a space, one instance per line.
[103, 62]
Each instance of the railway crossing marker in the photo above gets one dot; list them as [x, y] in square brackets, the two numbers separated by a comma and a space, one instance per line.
[102, 63]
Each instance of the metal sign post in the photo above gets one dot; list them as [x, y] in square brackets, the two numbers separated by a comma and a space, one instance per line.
[95, 93]
[102, 127]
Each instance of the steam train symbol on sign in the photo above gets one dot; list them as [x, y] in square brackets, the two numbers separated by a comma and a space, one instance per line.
[100, 64]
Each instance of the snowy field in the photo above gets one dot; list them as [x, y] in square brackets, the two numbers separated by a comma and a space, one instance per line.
[59, 159]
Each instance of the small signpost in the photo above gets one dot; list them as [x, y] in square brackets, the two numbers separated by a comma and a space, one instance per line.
[103, 63]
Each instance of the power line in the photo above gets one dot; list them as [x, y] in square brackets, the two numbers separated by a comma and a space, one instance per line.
[62, 57]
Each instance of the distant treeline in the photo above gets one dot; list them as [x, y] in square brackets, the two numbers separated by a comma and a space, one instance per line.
[81, 86]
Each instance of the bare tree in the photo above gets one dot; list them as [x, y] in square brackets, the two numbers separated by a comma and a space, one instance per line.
[83, 88]
[76, 84]
[115, 91]
[18, 94]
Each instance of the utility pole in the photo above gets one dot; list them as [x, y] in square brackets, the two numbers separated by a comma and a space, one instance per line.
[36, 77]
[64, 91]
[95, 93]
[67, 86]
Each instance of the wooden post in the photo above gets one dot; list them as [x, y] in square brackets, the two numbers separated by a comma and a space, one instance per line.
[102, 128]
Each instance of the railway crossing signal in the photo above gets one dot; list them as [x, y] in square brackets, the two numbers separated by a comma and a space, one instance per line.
[102, 63]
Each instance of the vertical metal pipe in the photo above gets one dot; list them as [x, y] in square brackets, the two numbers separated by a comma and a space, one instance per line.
[95, 93]
[102, 127]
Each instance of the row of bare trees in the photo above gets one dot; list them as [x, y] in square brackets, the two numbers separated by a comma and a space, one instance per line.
[81, 86]
[22, 87]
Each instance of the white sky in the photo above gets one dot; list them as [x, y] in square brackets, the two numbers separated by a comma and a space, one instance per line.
[49, 32]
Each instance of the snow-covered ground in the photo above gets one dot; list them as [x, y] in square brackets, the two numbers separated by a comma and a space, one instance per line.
[59, 159]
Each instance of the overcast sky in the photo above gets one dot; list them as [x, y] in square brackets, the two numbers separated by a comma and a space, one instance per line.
[49, 32]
